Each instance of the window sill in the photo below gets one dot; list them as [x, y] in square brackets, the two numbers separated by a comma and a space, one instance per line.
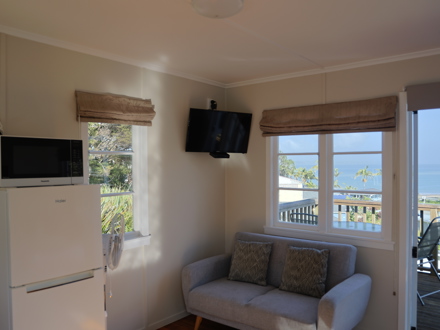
[330, 237]
[133, 240]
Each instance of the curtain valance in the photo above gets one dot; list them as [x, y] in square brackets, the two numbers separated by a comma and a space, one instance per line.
[423, 97]
[356, 116]
[111, 108]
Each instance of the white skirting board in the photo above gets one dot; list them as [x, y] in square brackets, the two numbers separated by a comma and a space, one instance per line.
[166, 321]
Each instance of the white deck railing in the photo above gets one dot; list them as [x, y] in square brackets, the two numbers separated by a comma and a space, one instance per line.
[350, 213]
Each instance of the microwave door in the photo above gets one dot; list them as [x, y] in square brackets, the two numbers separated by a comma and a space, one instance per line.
[27, 162]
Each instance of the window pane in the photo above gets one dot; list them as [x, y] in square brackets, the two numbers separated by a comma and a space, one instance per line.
[114, 171]
[110, 137]
[428, 168]
[358, 172]
[298, 206]
[365, 141]
[298, 171]
[298, 143]
[111, 206]
[357, 211]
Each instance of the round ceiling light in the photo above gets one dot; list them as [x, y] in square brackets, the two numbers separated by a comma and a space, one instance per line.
[217, 8]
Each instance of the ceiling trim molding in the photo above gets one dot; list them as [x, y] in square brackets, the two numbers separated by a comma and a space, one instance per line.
[95, 52]
[98, 53]
[355, 65]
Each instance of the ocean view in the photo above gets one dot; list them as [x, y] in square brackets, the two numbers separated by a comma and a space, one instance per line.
[429, 178]
[348, 172]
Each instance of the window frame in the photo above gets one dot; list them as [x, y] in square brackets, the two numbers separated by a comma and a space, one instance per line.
[324, 230]
[140, 236]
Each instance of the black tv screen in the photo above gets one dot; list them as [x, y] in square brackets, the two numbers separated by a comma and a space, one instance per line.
[218, 132]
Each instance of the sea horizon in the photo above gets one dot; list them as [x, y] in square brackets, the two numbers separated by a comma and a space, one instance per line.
[429, 178]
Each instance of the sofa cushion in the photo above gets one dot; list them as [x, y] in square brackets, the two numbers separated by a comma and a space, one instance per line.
[305, 271]
[341, 261]
[225, 299]
[280, 310]
[250, 261]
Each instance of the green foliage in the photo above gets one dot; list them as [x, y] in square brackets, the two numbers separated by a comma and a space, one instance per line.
[112, 170]
[336, 173]
[365, 174]
[288, 169]
[307, 176]
[286, 166]
[112, 205]
[429, 200]
[109, 137]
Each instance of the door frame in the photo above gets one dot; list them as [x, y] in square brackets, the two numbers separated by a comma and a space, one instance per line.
[407, 215]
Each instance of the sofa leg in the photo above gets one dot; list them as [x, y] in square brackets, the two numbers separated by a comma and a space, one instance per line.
[198, 321]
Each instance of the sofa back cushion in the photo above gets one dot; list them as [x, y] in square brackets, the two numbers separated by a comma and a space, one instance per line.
[340, 264]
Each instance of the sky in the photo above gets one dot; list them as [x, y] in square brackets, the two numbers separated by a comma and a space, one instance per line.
[370, 141]
[428, 129]
[342, 142]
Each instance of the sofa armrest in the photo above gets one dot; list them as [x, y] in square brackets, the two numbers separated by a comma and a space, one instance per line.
[204, 271]
[343, 307]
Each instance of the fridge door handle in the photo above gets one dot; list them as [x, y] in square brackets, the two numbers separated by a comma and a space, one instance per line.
[52, 283]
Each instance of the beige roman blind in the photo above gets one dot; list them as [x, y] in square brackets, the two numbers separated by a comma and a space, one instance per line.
[357, 116]
[111, 108]
[423, 97]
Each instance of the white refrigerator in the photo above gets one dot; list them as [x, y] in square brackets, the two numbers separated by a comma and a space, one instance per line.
[51, 263]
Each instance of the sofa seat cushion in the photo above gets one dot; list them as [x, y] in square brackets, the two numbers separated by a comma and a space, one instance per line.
[225, 298]
[279, 309]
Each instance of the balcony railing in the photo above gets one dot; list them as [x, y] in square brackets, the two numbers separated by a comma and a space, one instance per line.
[427, 212]
[304, 211]
[350, 213]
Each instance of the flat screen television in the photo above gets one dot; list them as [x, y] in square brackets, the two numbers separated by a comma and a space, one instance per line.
[218, 132]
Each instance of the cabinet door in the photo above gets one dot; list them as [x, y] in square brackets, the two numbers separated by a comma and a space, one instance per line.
[75, 306]
[53, 232]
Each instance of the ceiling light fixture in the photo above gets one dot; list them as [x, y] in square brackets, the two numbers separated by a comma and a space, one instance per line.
[217, 8]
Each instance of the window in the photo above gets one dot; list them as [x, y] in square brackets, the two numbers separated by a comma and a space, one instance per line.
[338, 185]
[117, 162]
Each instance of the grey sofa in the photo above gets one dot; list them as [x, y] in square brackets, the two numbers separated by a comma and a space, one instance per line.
[209, 294]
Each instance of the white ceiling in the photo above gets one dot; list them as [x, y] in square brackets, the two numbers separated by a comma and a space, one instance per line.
[267, 40]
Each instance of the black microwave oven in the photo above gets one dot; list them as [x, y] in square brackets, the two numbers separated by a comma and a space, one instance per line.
[29, 161]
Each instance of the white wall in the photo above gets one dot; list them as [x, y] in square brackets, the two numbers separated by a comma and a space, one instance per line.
[186, 190]
[246, 177]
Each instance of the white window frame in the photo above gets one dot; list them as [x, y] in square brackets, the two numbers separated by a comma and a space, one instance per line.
[324, 230]
[141, 235]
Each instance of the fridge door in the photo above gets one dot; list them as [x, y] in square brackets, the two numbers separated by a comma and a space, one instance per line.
[53, 232]
[75, 306]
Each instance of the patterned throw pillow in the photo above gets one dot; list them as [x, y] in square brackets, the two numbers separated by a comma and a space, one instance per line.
[250, 262]
[305, 271]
